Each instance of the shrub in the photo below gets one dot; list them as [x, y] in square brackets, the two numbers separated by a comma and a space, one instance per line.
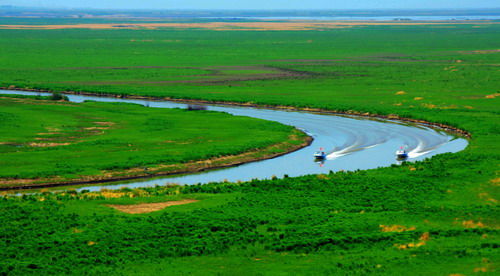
[56, 96]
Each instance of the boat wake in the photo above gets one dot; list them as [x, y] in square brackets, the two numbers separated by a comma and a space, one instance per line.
[417, 143]
[351, 149]
[420, 145]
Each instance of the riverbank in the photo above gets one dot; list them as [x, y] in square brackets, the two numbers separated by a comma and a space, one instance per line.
[158, 137]
[167, 170]
[440, 126]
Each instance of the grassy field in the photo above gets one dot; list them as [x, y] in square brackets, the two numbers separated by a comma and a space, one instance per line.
[436, 217]
[45, 141]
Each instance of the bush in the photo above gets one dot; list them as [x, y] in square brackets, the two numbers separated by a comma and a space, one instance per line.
[56, 96]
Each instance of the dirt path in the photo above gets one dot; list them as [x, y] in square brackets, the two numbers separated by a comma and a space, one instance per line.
[143, 208]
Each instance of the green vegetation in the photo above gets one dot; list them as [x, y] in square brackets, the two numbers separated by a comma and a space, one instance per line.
[436, 217]
[46, 141]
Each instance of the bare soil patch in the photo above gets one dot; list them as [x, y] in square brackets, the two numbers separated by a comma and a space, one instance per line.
[396, 228]
[143, 208]
[47, 145]
[492, 96]
[217, 75]
[64, 139]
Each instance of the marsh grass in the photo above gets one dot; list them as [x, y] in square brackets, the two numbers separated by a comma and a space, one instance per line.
[43, 139]
[329, 224]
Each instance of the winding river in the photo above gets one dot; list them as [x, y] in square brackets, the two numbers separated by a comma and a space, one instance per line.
[352, 143]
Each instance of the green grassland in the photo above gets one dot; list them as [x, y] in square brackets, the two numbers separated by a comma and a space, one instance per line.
[54, 141]
[435, 217]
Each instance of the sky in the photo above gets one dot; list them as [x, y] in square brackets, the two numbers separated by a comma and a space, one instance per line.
[257, 4]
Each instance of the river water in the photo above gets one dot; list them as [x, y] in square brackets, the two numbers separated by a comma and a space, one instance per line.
[352, 143]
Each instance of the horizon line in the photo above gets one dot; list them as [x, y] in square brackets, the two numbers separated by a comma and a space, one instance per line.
[252, 9]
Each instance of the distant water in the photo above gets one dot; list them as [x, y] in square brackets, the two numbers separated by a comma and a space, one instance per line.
[364, 18]
[353, 15]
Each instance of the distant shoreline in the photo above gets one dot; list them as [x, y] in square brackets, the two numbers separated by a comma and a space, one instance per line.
[492, 13]
[221, 25]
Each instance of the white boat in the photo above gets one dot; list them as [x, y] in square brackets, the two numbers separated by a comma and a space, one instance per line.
[401, 153]
[320, 155]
